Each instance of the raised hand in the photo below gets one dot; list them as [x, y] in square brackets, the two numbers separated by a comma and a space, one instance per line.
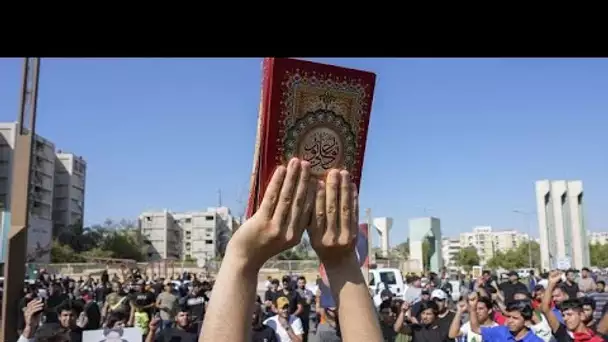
[555, 277]
[473, 299]
[32, 312]
[462, 306]
[333, 231]
[284, 213]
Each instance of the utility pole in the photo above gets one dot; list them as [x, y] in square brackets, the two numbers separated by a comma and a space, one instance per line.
[14, 265]
[527, 217]
[370, 255]
[219, 197]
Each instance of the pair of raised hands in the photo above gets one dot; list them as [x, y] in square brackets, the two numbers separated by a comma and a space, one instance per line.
[295, 201]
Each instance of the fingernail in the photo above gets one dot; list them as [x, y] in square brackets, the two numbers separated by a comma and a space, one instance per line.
[321, 184]
[293, 162]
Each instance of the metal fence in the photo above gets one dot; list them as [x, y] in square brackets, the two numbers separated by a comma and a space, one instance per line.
[167, 269]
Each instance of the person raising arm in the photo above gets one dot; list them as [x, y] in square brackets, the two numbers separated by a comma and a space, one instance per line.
[277, 226]
[333, 235]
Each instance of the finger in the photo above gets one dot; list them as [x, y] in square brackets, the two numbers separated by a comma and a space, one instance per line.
[345, 215]
[309, 205]
[355, 208]
[283, 207]
[331, 204]
[301, 198]
[271, 196]
[318, 224]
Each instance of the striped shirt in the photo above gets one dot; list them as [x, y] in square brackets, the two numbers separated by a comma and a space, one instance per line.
[600, 298]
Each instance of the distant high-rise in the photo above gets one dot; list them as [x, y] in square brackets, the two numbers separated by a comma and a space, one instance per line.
[561, 223]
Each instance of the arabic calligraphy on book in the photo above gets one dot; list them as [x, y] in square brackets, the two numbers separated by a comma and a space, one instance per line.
[322, 148]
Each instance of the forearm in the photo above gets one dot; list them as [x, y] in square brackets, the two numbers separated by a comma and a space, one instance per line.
[293, 336]
[474, 322]
[352, 295]
[455, 326]
[28, 332]
[151, 336]
[235, 283]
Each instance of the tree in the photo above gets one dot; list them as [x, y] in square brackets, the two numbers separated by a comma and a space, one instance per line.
[467, 258]
[77, 243]
[598, 255]
[427, 250]
[517, 257]
[402, 250]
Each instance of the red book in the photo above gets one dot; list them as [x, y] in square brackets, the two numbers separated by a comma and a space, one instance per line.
[313, 111]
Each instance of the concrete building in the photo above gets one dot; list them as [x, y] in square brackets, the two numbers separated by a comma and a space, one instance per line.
[383, 226]
[69, 190]
[429, 229]
[600, 238]
[200, 235]
[488, 242]
[563, 235]
[42, 187]
[450, 247]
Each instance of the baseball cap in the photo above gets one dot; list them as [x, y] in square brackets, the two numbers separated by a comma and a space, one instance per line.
[282, 302]
[439, 294]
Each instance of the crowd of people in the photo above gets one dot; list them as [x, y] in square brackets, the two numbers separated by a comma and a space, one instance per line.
[555, 307]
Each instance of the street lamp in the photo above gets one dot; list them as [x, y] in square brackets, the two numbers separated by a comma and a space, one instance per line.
[527, 217]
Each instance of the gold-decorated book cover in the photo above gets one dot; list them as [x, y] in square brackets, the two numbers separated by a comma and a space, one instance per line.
[313, 111]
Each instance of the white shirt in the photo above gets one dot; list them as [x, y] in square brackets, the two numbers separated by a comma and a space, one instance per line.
[543, 330]
[465, 330]
[280, 332]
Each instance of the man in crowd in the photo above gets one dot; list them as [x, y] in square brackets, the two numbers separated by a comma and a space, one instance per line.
[306, 297]
[586, 284]
[570, 285]
[287, 326]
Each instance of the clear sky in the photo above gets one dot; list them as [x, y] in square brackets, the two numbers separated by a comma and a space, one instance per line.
[460, 139]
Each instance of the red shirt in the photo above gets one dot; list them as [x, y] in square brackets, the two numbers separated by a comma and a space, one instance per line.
[499, 318]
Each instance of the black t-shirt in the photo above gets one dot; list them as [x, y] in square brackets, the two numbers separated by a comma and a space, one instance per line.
[196, 306]
[443, 323]
[263, 333]
[428, 333]
[101, 292]
[294, 300]
[571, 290]
[272, 295]
[51, 305]
[562, 335]
[142, 299]
[388, 332]
[174, 334]
[510, 289]
[91, 309]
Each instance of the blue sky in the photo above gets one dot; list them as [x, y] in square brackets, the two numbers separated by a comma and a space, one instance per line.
[461, 139]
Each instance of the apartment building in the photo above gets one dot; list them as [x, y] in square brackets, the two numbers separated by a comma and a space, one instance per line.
[162, 236]
[69, 190]
[200, 235]
[563, 235]
[42, 187]
[450, 247]
[488, 242]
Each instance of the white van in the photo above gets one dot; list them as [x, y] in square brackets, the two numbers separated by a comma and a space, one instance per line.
[391, 277]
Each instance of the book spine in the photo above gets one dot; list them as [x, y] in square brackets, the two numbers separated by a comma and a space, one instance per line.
[254, 189]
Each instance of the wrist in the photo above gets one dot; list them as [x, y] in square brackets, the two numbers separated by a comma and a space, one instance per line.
[238, 262]
[346, 263]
